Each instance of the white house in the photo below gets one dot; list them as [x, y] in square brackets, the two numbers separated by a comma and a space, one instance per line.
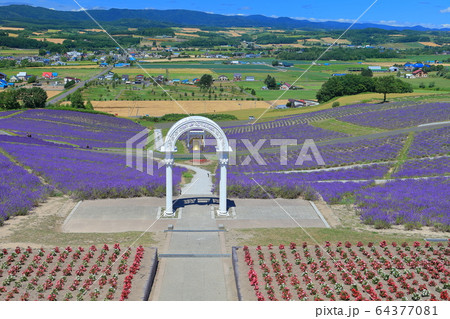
[22, 76]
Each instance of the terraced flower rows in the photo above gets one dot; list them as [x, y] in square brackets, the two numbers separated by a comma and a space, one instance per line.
[106, 273]
[306, 118]
[364, 151]
[431, 142]
[90, 175]
[81, 129]
[424, 167]
[345, 271]
[402, 117]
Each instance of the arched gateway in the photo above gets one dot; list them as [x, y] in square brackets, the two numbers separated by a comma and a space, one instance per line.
[222, 148]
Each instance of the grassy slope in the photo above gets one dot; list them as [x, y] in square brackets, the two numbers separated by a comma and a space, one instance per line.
[347, 128]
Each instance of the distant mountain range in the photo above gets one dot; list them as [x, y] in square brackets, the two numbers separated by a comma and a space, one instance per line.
[135, 18]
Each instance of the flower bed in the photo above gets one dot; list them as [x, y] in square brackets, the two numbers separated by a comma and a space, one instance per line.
[105, 273]
[345, 272]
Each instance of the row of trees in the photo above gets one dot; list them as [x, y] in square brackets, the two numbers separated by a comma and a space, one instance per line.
[354, 84]
[28, 98]
[37, 98]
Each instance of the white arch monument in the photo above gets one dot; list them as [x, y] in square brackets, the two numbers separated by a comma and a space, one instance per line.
[222, 148]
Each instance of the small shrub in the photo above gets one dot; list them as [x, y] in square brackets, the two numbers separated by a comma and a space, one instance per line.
[335, 104]
[381, 224]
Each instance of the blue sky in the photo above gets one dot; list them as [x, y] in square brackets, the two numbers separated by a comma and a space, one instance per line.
[433, 13]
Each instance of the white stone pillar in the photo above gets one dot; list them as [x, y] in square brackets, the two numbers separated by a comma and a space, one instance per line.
[169, 184]
[223, 162]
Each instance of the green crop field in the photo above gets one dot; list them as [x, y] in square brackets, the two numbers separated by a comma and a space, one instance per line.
[81, 73]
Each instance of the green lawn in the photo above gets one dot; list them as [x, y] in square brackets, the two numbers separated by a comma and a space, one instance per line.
[276, 236]
[81, 73]
[347, 128]
[439, 83]
[7, 52]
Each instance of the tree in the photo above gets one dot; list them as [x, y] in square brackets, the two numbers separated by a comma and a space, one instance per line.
[8, 100]
[350, 84]
[76, 100]
[89, 105]
[270, 82]
[32, 79]
[205, 82]
[390, 84]
[69, 84]
[367, 72]
[32, 98]
[275, 63]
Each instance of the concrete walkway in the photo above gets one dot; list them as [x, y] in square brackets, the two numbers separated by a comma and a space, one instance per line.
[192, 268]
[201, 183]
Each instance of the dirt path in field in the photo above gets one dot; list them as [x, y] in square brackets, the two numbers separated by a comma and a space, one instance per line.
[58, 207]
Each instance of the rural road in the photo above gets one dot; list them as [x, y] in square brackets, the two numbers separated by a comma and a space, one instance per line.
[64, 95]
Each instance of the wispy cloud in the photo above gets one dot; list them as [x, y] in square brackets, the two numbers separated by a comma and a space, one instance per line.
[445, 10]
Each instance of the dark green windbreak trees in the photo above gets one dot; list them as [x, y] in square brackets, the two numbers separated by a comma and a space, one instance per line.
[355, 84]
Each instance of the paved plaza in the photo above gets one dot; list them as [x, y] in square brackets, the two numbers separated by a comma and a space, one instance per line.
[137, 214]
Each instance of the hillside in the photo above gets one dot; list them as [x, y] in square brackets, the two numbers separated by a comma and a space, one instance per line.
[13, 14]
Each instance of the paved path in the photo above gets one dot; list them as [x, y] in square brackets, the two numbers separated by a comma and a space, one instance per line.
[201, 183]
[192, 268]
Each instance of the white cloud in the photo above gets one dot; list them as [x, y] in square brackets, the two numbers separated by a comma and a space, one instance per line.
[445, 10]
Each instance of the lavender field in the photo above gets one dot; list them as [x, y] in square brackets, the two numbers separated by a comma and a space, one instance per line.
[424, 167]
[339, 154]
[408, 200]
[402, 117]
[347, 174]
[81, 129]
[431, 143]
[87, 174]
[419, 202]
[7, 113]
[19, 190]
[330, 185]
